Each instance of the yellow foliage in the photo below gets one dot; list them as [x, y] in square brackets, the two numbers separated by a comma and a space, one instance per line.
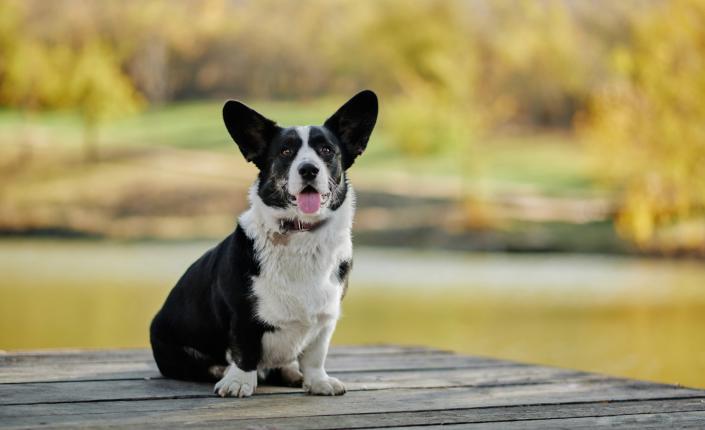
[97, 86]
[37, 72]
[647, 128]
[429, 65]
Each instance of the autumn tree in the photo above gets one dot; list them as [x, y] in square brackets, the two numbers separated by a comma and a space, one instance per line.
[647, 128]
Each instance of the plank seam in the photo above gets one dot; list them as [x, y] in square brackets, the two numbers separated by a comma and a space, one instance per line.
[345, 371]
[520, 420]
[208, 396]
[297, 393]
[576, 403]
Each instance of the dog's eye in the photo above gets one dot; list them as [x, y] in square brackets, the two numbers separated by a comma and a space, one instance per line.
[285, 152]
[325, 150]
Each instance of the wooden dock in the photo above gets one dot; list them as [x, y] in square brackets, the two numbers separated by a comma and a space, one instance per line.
[388, 386]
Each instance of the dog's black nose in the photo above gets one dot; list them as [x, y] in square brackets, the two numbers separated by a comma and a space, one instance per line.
[308, 171]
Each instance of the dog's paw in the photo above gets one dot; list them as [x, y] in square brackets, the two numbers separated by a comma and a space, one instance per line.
[292, 376]
[236, 383]
[325, 386]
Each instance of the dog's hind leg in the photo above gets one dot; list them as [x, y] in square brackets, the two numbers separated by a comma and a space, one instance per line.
[285, 376]
[291, 375]
[187, 363]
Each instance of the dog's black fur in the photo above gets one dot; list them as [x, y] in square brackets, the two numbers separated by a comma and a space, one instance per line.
[212, 308]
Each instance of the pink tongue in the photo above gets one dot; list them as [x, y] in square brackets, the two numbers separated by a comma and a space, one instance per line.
[309, 202]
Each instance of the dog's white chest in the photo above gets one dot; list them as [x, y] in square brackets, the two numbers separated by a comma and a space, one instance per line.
[298, 291]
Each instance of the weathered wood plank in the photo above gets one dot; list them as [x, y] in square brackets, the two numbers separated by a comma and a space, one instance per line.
[189, 410]
[75, 372]
[83, 391]
[393, 387]
[64, 370]
[681, 420]
[503, 415]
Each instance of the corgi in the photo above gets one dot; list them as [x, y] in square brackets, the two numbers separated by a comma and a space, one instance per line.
[263, 303]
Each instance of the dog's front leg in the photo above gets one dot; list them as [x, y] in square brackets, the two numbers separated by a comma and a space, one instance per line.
[240, 378]
[312, 360]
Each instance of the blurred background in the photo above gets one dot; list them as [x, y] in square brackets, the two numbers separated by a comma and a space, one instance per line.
[534, 190]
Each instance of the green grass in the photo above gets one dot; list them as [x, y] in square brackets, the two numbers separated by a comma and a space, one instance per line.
[199, 125]
[552, 164]
[548, 163]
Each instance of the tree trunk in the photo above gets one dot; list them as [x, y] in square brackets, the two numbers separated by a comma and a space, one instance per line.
[90, 142]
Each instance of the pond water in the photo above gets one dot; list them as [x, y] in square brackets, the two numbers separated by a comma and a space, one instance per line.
[641, 318]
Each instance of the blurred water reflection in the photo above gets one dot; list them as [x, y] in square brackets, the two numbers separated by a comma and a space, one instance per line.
[625, 316]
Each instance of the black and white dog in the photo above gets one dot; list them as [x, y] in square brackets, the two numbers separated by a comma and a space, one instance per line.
[265, 301]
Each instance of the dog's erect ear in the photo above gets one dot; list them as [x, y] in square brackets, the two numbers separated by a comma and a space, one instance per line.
[352, 124]
[251, 131]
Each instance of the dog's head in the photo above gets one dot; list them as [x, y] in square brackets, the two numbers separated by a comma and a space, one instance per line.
[302, 169]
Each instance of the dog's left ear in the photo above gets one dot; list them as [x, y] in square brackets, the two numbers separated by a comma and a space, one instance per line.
[352, 124]
[250, 130]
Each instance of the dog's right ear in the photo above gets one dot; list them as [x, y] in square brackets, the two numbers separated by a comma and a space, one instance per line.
[251, 131]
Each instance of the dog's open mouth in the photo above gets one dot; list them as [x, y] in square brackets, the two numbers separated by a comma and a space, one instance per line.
[309, 200]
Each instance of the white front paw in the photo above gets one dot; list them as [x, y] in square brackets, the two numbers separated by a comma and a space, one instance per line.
[236, 383]
[324, 386]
